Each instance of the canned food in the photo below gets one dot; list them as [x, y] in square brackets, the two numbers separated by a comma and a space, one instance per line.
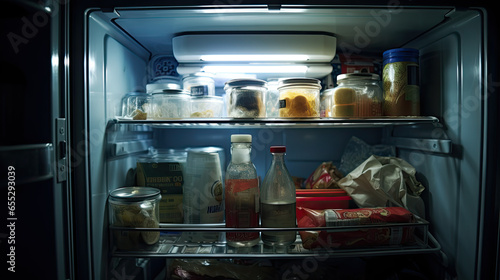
[401, 82]
[134, 207]
[299, 98]
[245, 98]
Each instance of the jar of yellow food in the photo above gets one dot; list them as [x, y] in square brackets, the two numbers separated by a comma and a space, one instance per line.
[299, 98]
[134, 207]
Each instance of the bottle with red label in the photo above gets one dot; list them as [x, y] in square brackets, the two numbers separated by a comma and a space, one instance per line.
[278, 201]
[241, 193]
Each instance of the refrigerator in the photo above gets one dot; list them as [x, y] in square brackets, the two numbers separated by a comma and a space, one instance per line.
[75, 147]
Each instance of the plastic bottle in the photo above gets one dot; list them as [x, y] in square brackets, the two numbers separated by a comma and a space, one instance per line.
[241, 193]
[278, 201]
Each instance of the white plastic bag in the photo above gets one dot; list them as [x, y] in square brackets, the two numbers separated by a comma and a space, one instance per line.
[384, 182]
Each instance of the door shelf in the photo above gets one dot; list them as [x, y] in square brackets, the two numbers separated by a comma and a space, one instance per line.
[175, 245]
[281, 122]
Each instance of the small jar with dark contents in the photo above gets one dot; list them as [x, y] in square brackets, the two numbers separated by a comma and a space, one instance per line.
[245, 98]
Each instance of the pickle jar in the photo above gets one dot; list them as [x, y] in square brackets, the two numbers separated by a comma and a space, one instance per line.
[357, 95]
[299, 98]
[134, 207]
[246, 98]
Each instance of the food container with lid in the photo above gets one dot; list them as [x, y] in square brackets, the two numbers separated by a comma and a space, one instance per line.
[206, 106]
[170, 104]
[162, 83]
[246, 98]
[134, 207]
[401, 82]
[199, 84]
[299, 98]
[135, 105]
[357, 95]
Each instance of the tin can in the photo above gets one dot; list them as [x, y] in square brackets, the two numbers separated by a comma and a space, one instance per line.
[401, 82]
[134, 207]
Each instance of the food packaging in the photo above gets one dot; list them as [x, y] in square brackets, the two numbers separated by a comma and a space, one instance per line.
[324, 176]
[299, 98]
[164, 170]
[355, 238]
[134, 207]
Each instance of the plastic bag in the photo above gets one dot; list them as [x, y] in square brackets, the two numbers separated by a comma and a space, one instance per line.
[357, 151]
[385, 181]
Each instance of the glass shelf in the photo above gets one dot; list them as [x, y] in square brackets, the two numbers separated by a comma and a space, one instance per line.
[295, 123]
[174, 243]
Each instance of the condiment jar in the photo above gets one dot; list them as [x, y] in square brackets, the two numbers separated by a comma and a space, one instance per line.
[245, 98]
[134, 207]
[357, 95]
[135, 105]
[401, 82]
[299, 98]
[199, 84]
[170, 104]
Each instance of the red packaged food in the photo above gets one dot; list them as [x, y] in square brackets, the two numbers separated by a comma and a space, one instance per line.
[350, 217]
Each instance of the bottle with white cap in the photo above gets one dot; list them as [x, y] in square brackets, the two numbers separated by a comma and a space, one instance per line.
[241, 193]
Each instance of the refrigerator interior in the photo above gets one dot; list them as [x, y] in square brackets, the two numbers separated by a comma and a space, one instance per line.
[121, 45]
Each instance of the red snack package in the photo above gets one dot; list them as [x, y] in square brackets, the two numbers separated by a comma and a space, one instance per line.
[325, 176]
[355, 238]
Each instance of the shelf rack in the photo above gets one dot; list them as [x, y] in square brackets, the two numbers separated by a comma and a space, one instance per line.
[175, 243]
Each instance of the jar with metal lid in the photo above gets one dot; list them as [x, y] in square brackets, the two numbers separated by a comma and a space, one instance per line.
[199, 84]
[299, 98]
[245, 98]
[357, 95]
[134, 207]
[135, 105]
[170, 104]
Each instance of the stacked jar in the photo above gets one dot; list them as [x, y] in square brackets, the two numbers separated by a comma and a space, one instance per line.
[357, 95]
[204, 103]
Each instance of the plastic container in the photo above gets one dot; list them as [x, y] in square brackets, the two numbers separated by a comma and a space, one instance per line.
[134, 207]
[135, 105]
[246, 98]
[199, 84]
[205, 106]
[357, 95]
[401, 82]
[170, 104]
[299, 98]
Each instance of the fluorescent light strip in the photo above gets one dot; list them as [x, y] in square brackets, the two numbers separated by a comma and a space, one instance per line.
[244, 57]
[255, 69]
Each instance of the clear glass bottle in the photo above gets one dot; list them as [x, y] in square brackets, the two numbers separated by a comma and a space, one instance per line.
[278, 201]
[241, 193]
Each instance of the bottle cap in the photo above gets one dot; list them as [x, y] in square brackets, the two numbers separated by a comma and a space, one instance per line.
[241, 138]
[278, 149]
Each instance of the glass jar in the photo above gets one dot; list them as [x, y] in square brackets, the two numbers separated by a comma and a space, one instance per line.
[357, 95]
[162, 83]
[135, 105]
[401, 82]
[245, 98]
[170, 104]
[299, 98]
[199, 84]
[326, 103]
[206, 106]
[134, 207]
[272, 99]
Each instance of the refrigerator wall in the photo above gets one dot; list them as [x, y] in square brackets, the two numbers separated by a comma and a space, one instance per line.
[119, 46]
